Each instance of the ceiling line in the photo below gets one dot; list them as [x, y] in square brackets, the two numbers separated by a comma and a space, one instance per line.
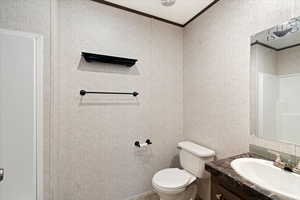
[201, 12]
[155, 17]
[137, 12]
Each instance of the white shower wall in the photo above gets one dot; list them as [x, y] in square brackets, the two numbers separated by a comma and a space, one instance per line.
[267, 105]
[289, 108]
[278, 107]
[288, 71]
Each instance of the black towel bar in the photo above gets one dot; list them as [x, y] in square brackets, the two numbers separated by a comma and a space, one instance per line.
[83, 92]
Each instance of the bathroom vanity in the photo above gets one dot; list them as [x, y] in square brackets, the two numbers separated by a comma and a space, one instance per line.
[228, 185]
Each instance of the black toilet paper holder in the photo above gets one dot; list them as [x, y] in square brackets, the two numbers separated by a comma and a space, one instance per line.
[139, 145]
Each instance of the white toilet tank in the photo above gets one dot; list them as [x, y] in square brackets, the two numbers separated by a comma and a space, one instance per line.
[193, 158]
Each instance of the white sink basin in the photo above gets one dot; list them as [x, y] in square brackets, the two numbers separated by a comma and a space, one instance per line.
[263, 174]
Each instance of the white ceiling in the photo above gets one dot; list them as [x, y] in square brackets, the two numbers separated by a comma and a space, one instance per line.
[181, 12]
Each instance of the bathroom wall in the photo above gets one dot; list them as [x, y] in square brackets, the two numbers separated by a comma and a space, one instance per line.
[216, 72]
[34, 16]
[94, 135]
[288, 61]
[265, 59]
[282, 62]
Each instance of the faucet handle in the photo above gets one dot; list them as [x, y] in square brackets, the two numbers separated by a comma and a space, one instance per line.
[297, 168]
[278, 159]
[298, 165]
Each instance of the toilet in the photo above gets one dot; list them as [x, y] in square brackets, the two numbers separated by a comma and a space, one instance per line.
[179, 184]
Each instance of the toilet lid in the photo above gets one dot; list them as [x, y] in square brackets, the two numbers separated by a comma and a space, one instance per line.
[172, 178]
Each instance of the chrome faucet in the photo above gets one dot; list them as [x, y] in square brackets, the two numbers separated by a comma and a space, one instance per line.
[287, 166]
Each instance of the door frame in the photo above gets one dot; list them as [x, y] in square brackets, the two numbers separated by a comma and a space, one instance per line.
[39, 105]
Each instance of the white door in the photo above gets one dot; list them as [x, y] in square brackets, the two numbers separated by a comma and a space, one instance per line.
[20, 115]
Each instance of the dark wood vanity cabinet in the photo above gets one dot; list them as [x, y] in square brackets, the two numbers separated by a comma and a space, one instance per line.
[224, 189]
[219, 192]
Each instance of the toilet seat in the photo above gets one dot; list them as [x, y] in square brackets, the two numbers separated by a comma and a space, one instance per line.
[172, 179]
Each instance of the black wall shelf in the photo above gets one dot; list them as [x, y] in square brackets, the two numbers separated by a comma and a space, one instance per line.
[90, 57]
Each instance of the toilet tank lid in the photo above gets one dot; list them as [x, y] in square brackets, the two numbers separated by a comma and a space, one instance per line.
[196, 149]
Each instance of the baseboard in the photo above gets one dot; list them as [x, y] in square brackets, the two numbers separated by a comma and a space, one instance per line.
[149, 196]
[144, 196]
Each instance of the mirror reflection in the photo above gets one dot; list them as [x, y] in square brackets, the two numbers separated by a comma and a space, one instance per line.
[275, 83]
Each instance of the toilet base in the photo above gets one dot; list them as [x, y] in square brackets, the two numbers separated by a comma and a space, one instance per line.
[188, 194]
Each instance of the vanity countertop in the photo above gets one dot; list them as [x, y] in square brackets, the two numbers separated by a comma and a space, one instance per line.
[222, 168]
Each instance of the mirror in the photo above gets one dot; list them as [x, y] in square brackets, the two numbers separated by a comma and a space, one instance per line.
[275, 83]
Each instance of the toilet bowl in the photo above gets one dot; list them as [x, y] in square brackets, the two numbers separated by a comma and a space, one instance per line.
[179, 184]
[174, 184]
